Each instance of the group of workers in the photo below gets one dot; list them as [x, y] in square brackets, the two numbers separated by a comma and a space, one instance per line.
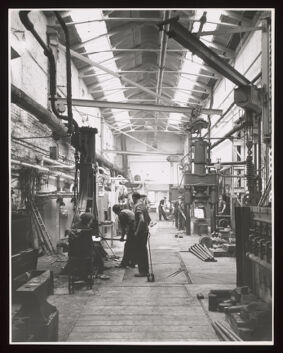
[134, 223]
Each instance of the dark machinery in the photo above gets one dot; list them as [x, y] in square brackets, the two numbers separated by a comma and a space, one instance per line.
[200, 186]
[255, 101]
[34, 319]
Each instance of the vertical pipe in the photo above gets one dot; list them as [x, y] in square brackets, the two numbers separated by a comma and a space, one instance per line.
[259, 157]
[68, 71]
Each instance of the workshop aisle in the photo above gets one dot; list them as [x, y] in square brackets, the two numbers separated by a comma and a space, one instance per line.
[130, 309]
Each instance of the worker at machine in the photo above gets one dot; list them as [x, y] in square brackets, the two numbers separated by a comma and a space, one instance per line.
[86, 227]
[161, 210]
[222, 205]
[127, 225]
[142, 221]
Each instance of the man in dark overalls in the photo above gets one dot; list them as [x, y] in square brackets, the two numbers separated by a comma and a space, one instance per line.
[127, 224]
[142, 221]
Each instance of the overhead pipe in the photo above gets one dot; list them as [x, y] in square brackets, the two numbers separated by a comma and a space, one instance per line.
[22, 100]
[162, 60]
[56, 164]
[68, 71]
[24, 164]
[52, 64]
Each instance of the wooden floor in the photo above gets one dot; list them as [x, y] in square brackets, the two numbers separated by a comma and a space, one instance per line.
[130, 309]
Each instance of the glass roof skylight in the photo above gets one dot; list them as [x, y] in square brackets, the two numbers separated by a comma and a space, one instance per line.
[190, 64]
[98, 29]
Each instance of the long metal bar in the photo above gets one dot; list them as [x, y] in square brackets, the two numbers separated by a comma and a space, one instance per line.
[133, 106]
[150, 72]
[129, 19]
[144, 19]
[163, 131]
[132, 87]
[139, 153]
[134, 50]
[189, 41]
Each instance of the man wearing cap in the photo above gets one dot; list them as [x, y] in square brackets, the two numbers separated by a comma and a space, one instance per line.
[127, 223]
[142, 221]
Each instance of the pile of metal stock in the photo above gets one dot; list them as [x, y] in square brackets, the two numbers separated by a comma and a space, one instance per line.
[202, 252]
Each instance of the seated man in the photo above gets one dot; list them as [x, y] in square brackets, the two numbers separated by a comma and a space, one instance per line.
[127, 223]
[81, 244]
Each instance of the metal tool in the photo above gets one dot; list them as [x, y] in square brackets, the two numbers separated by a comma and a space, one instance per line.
[150, 276]
[202, 252]
[197, 254]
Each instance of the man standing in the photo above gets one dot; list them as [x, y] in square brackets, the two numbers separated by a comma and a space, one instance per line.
[127, 223]
[176, 211]
[142, 221]
[181, 215]
[161, 210]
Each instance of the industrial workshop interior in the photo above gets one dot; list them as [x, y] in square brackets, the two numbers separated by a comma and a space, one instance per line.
[141, 176]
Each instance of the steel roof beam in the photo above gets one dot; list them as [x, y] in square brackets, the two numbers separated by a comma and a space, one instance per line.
[162, 131]
[150, 72]
[143, 107]
[128, 19]
[133, 50]
[163, 88]
[141, 153]
[189, 41]
[91, 62]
